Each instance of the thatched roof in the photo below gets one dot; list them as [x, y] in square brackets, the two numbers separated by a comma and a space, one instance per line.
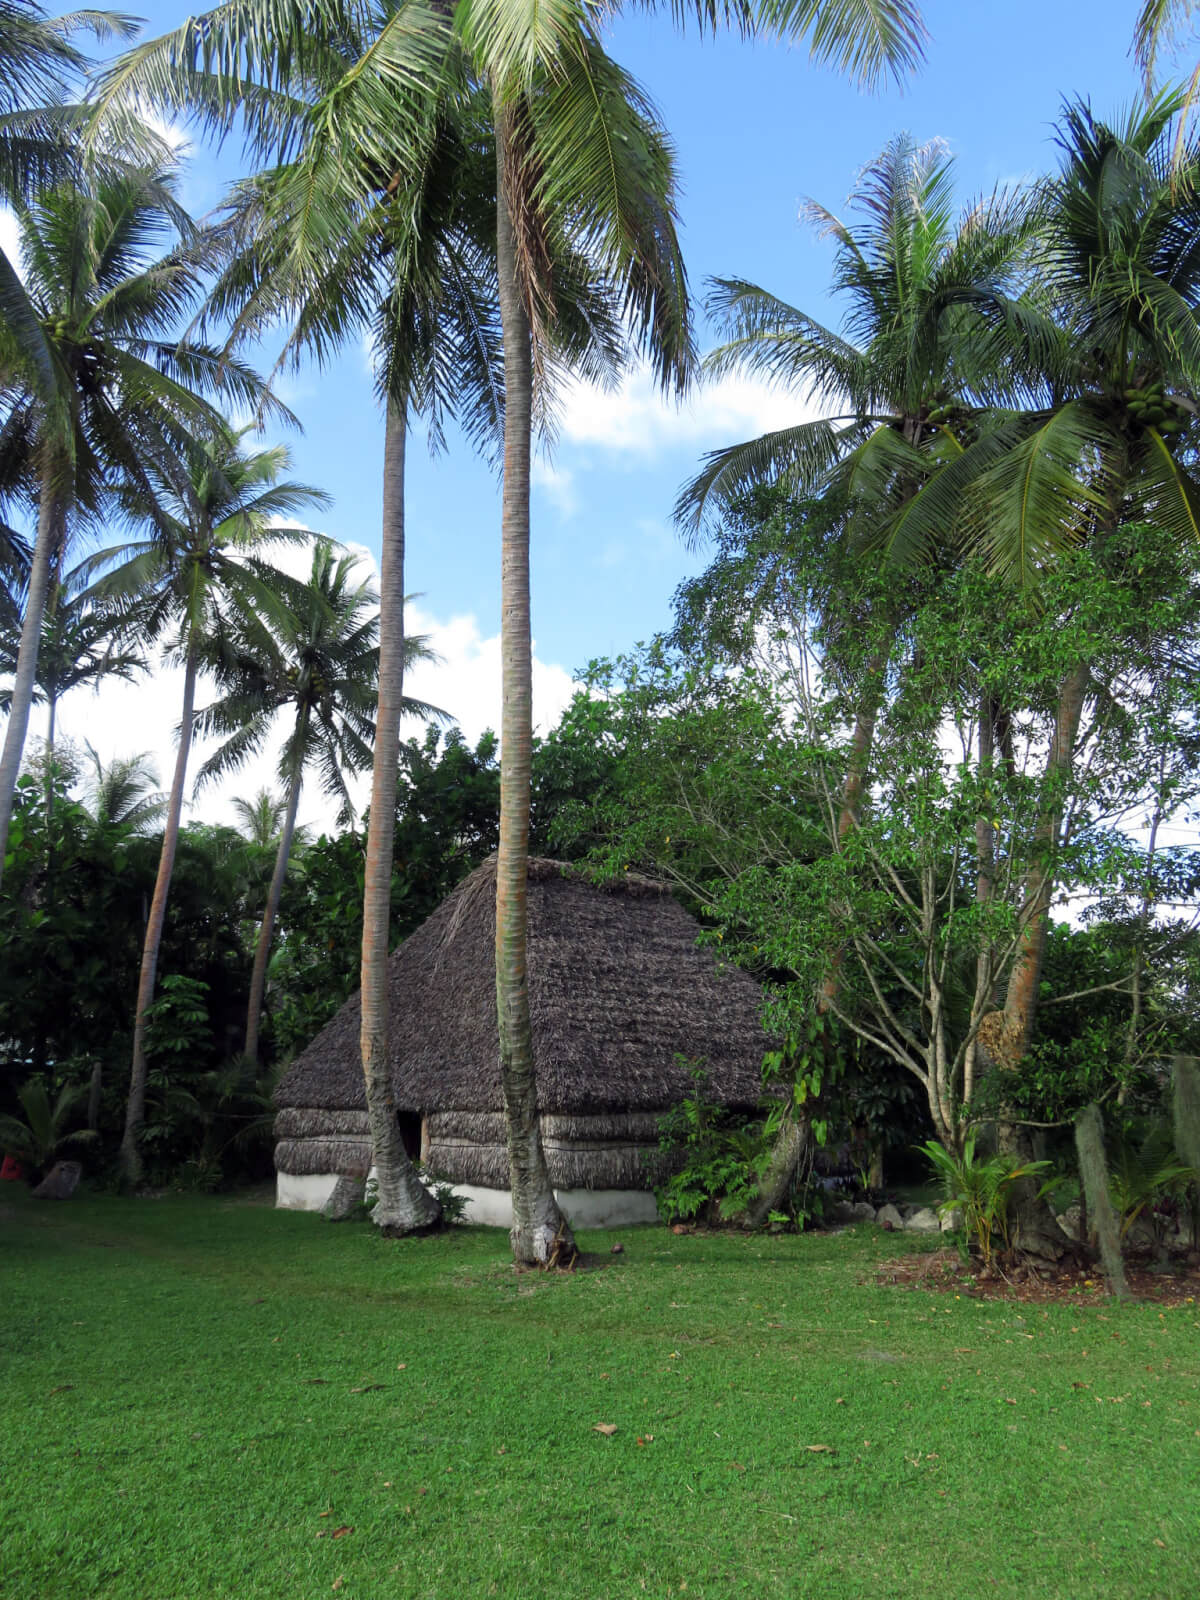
[618, 988]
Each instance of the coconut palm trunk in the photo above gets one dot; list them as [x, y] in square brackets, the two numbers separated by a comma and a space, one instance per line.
[404, 1204]
[51, 528]
[262, 952]
[539, 1232]
[135, 1107]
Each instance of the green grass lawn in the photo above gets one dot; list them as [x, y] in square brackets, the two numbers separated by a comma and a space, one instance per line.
[194, 1390]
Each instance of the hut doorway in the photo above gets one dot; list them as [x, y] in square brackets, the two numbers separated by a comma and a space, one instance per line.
[410, 1133]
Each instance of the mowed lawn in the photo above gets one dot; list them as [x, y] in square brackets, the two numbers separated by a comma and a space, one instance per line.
[197, 1394]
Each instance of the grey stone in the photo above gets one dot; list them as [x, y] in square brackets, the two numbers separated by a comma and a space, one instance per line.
[348, 1195]
[1070, 1221]
[1141, 1234]
[61, 1182]
[844, 1213]
[923, 1221]
[889, 1217]
[952, 1220]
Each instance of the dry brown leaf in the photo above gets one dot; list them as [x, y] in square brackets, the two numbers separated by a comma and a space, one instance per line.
[340, 1533]
[365, 1388]
[606, 1428]
[337, 1583]
[820, 1449]
[328, 1513]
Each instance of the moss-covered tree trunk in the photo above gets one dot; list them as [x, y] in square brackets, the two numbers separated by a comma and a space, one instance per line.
[539, 1232]
[404, 1204]
[1093, 1170]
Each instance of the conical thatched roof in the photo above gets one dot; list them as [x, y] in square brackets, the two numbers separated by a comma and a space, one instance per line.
[618, 987]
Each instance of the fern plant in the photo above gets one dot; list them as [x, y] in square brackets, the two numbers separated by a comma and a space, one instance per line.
[980, 1187]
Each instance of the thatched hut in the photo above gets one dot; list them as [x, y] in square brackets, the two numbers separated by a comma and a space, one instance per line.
[623, 1002]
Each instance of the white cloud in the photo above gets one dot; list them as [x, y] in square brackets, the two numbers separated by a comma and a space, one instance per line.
[636, 420]
[557, 484]
[127, 718]
[10, 241]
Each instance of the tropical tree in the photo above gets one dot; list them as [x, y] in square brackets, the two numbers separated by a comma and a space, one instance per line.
[81, 645]
[109, 390]
[316, 654]
[260, 818]
[200, 569]
[923, 354]
[551, 91]
[123, 793]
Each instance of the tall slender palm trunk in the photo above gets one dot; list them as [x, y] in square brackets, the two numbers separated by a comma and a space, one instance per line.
[51, 527]
[262, 951]
[539, 1232]
[135, 1106]
[404, 1204]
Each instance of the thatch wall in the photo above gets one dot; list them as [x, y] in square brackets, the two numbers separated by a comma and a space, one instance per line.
[622, 999]
[601, 1152]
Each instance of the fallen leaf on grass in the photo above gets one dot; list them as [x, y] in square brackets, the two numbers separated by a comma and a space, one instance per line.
[337, 1583]
[365, 1388]
[62, 1388]
[316, 1380]
[340, 1533]
[328, 1513]
[736, 1466]
[820, 1449]
[400, 1366]
[606, 1428]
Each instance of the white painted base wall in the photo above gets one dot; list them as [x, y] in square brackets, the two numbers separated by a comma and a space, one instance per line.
[492, 1208]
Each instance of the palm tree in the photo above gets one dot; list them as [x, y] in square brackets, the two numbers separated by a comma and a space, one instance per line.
[1106, 438]
[112, 389]
[123, 793]
[81, 644]
[199, 571]
[317, 654]
[550, 86]
[261, 818]
[923, 354]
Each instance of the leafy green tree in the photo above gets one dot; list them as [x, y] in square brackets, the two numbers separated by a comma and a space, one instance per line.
[197, 574]
[577, 155]
[81, 645]
[108, 389]
[317, 655]
[123, 793]
[42, 1133]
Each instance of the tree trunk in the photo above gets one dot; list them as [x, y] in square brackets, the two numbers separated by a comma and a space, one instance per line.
[795, 1133]
[51, 527]
[1093, 1171]
[258, 977]
[404, 1204]
[539, 1233]
[135, 1108]
[1005, 1042]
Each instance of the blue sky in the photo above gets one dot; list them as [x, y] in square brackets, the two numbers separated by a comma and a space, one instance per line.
[757, 129]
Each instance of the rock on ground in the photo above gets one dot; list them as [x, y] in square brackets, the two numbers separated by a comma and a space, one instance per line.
[61, 1182]
[924, 1221]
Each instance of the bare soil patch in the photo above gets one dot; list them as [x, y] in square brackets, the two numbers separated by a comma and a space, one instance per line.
[943, 1272]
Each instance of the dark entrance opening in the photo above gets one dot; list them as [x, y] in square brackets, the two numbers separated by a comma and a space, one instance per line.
[410, 1133]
